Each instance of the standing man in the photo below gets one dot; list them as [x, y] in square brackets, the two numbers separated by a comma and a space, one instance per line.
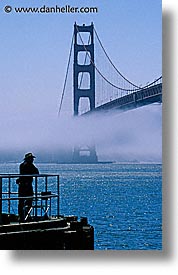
[25, 185]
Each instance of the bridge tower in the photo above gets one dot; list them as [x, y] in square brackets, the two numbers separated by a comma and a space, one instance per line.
[84, 92]
[78, 68]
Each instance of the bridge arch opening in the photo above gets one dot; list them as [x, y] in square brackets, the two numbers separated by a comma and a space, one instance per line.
[84, 152]
[84, 105]
[84, 58]
[84, 80]
[83, 38]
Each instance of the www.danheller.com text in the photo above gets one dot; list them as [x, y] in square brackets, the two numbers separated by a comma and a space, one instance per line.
[51, 9]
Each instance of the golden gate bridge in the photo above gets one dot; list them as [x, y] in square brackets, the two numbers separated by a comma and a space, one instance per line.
[99, 86]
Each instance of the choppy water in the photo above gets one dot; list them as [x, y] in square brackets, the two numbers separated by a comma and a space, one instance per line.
[122, 201]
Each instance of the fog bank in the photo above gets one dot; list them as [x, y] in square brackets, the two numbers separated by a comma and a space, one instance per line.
[132, 135]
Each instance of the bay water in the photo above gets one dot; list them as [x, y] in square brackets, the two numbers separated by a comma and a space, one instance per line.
[123, 201]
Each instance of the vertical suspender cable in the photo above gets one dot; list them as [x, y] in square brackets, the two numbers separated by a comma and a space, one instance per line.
[112, 62]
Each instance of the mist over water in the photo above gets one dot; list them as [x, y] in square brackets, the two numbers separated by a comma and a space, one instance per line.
[128, 136]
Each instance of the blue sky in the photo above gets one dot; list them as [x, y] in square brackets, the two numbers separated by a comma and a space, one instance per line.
[34, 50]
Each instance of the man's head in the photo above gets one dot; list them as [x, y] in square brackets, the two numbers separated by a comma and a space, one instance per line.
[29, 157]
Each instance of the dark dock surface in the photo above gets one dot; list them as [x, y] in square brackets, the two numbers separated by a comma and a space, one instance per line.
[64, 233]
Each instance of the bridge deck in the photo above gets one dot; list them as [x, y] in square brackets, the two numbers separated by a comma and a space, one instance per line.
[134, 100]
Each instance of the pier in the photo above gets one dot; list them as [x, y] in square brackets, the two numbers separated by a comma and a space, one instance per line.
[43, 226]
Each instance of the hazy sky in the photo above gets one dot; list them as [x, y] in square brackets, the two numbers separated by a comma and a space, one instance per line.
[34, 50]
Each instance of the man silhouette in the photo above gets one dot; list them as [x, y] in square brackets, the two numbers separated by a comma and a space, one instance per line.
[25, 185]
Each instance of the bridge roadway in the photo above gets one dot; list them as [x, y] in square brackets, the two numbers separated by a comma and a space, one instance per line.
[134, 100]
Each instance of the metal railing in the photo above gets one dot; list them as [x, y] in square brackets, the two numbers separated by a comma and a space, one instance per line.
[42, 183]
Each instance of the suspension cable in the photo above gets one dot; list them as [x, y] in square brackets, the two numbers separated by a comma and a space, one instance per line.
[65, 81]
[112, 62]
[119, 71]
[113, 85]
[150, 84]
